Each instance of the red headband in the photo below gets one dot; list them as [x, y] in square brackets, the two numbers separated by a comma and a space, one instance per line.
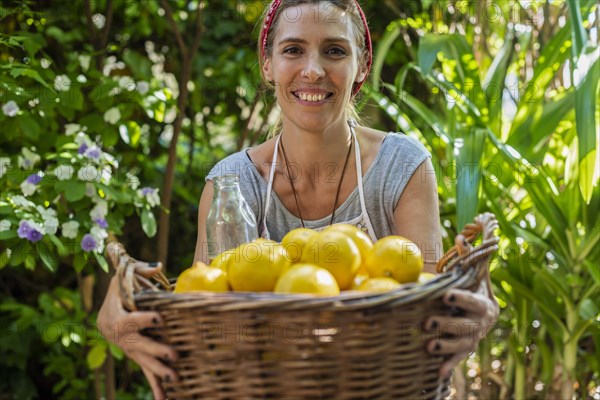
[269, 21]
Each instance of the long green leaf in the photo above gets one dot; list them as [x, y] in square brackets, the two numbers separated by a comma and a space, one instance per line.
[585, 115]
[392, 31]
[577, 29]
[468, 174]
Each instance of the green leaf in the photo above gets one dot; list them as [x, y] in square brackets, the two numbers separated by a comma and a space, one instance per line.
[468, 182]
[148, 223]
[4, 259]
[392, 31]
[72, 190]
[30, 262]
[96, 356]
[60, 247]
[577, 29]
[101, 261]
[116, 351]
[585, 116]
[588, 309]
[141, 66]
[29, 126]
[47, 256]
[6, 210]
[5, 235]
[79, 261]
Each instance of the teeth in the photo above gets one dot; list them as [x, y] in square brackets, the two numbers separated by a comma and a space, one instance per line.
[311, 97]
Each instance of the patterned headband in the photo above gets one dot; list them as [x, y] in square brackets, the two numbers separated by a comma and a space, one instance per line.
[269, 21]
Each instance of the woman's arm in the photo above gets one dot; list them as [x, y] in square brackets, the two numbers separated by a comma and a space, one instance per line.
[201, 253]
[417, 214]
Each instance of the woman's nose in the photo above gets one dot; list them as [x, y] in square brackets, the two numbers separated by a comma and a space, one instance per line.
[313, 69]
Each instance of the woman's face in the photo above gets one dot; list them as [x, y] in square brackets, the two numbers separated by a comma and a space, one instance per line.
[314, 65]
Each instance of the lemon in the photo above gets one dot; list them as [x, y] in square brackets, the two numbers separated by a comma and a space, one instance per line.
[294, 241]
[256, 266]
[425, 276]
[335, 252]
[379, 285]
[222, 260]
[307, 278]
[201, 277]
[358, 280]
[395, 257]
[360, 238]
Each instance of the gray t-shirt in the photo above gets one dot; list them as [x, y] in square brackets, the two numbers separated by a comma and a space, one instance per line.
[395, 163]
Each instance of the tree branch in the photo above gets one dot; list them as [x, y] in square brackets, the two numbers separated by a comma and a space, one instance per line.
[178, 37]
[109, 17]
[182, 101]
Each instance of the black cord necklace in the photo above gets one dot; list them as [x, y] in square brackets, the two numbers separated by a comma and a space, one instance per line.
[337, 194]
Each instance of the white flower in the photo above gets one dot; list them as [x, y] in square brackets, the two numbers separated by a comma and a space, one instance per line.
[10, 109]
[28, 188]
[4, 165]
[112, 115]
[133, 180]
[98, 233]
[90, 190]
[69, 229]
[82, 138]
[50, 225]
[99, 20]
[84, 61]
[151, 195]
[99, 211]
[62, 83]
[46, 212]
[64, 172]
[127, 83]
[4, 225]
[28, 158]
[143, 87]
[71, 129]
[88, 173]
[22, 202]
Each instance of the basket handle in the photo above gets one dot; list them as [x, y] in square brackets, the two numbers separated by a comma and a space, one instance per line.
[132, 277]
[463, 254]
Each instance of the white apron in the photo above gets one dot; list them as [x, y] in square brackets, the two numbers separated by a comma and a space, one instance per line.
[363, 222]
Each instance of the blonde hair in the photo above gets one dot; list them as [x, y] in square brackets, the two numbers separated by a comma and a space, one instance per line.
[347, 6]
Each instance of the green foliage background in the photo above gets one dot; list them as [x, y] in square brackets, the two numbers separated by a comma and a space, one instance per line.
[503, 93]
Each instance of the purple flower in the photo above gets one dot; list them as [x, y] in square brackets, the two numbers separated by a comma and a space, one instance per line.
[28, 232]
[88, 243]
[147, 191]
[93, 153]
[101, 222]
[82, 148]
[34, 179]
[24, 229]
[33, 236]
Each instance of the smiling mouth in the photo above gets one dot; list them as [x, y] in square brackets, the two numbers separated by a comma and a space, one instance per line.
[312, 97]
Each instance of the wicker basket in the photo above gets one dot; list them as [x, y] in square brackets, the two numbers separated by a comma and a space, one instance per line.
[266, 346]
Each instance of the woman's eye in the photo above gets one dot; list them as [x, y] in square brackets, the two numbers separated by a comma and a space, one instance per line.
[336, 51]
[291, 50]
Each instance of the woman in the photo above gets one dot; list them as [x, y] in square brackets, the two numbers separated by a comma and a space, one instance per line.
[322, 168]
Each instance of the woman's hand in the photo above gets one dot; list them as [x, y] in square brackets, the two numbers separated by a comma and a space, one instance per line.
[122, 328]
[458, 336]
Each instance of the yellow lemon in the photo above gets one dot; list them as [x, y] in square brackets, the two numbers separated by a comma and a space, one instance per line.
[200, 277]
[256, 266]
[379, 285]
[335, 252]
[395, 257]
[222, 260]
[358, 280]
[294, 241]
[425, 276]
[360, 238]
[307, 278]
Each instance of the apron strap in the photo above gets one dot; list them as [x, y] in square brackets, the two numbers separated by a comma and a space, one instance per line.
[361, 193]
[270, 188]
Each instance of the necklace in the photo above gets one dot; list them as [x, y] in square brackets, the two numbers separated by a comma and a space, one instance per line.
[337, 194]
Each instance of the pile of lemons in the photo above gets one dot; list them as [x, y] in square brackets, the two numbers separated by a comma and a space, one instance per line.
[341, 257]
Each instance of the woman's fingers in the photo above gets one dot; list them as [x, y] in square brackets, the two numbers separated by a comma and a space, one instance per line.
[468, 301]
[462, 345]
[154, 366]
[456, 327]
[147, 270]
[157, 390]
[143, 344]
[448, 365]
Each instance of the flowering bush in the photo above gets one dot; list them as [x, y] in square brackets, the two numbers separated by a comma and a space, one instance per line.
[67, 203]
